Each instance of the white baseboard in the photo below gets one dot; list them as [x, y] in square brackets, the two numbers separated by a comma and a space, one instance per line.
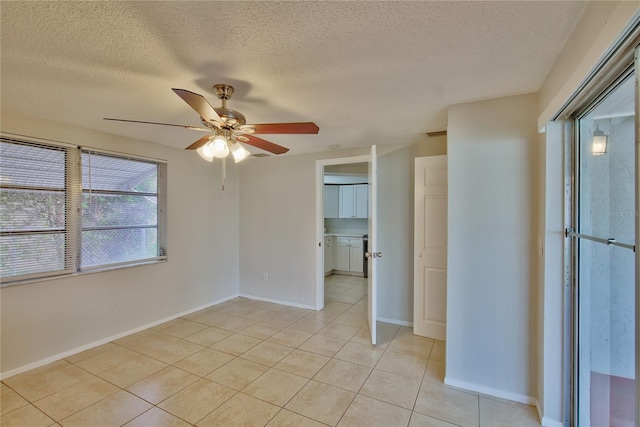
[59, 356]
[394, 321]
[277, 301]
[546, 422]
[488, 391]
[538, 411]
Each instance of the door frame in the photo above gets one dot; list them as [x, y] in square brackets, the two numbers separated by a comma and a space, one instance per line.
[320, 165]
[572, 153]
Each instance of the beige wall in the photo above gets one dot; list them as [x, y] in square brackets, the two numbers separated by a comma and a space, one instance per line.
[46, 319]
[278, 226]
[277, 233]
[491, 336]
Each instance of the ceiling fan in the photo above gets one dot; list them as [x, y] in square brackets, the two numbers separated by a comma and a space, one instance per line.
[227, 128]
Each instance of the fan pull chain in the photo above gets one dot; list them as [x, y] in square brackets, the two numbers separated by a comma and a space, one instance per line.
[224, 171]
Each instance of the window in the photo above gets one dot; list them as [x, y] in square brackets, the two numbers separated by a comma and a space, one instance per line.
[33, 210]
[119, 210]
[67, 209]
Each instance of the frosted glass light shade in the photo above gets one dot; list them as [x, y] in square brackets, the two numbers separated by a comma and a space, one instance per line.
[219, 147]
[599, 142]
[205, 152]
[599, 145]
[239, 152]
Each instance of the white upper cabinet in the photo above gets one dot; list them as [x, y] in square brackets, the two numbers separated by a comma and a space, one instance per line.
[362, 200]
[354, 201]
[331, 196]
[347, 205]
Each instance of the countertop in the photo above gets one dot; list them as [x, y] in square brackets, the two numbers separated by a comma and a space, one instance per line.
[339, 234]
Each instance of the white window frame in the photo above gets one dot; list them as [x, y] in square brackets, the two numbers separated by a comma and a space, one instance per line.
[73, 210]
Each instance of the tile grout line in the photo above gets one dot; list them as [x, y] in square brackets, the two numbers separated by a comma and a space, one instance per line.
[369, 375]
[237, 313]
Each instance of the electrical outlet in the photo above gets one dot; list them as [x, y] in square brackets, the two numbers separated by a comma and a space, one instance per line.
[265, 276]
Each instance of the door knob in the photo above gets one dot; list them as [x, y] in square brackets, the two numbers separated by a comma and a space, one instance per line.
[373, 254]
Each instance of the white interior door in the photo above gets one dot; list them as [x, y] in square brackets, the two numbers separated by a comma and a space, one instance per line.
[430, 247]
[372, 252]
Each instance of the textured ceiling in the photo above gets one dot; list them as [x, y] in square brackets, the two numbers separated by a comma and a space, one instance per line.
[365, 72]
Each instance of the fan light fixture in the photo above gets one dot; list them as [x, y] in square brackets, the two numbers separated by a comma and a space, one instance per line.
[205, 152]
[226, 128]
[239, 152]
[220, 146]
[599, 142]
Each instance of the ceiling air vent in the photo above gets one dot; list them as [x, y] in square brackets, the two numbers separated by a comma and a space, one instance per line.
[437, 133]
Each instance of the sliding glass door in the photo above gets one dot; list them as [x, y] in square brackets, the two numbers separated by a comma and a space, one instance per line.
[605, 218]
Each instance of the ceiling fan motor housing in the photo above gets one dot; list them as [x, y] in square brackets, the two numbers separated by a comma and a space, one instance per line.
[231, 117]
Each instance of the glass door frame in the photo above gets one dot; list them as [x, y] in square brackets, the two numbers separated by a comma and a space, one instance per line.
[572, 218]
[637, 240]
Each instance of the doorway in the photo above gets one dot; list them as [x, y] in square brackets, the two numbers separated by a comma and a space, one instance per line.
[345, 206]
[342, 226]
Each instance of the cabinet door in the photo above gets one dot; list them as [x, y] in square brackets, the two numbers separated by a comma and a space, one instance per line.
[346, 201]
[330, 202]
[342, 254]
[361, 200]
[328, 254]
[356, 255]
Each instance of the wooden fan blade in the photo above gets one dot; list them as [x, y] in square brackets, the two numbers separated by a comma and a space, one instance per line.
[199, 143]
[156, 123]
[200, 104]
[265, 145]
[284, 128]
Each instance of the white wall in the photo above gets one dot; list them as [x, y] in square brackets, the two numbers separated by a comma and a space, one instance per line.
[277, 232]
[491, 313]
[45, 319]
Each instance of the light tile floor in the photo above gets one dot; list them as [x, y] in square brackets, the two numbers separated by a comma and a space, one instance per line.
[253, 363]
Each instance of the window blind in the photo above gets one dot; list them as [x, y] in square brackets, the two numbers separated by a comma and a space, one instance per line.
[120, 210]
[35, 200]
[65, 209]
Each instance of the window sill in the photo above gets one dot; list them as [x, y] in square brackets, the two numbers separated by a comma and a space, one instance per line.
[80, 273]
